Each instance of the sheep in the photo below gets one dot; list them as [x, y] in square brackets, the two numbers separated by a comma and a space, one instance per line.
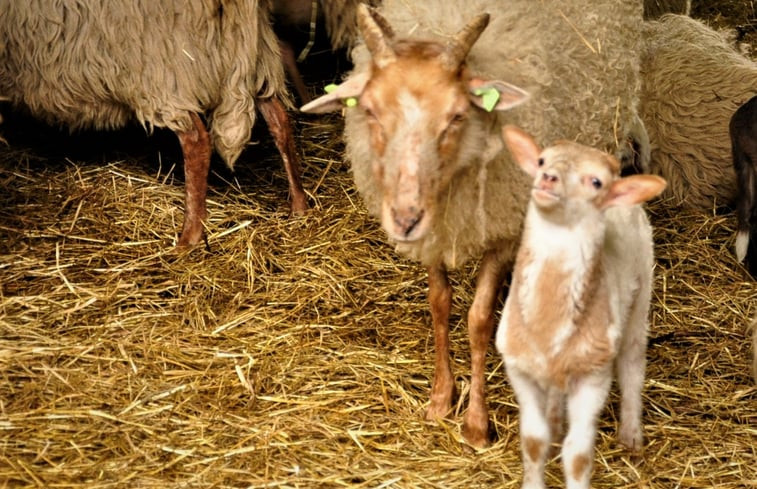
[422, 119]
[693, 80]
[87, 63]
[743, 131]
[293, 16]
[578, 301]
[656, 8]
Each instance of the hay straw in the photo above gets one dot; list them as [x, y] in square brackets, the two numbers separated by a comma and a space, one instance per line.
[297, 352]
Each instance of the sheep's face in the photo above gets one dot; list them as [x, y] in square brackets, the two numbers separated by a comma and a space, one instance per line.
[417, 112]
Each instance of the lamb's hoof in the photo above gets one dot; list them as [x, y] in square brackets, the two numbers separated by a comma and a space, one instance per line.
[437, 410]
[632, 440]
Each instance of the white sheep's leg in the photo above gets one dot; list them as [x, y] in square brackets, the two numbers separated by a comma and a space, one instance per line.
[440, 299]
[534, 427]
[586, 399]
[630, 365]
[480, 328]
[278, 124]
[195, 145]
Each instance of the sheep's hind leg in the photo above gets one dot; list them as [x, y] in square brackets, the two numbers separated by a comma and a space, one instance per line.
[440, 299]
[281, 130]
[480, 328]
[195, 145]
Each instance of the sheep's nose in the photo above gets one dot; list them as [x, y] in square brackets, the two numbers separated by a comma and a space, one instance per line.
[407, 219]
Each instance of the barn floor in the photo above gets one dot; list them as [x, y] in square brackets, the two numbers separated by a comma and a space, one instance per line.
[297, 352]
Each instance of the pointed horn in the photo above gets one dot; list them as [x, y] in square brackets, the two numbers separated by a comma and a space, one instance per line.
[464, 40]
[373, 28]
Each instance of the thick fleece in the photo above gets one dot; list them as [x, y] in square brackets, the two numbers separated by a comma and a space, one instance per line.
[579, 61]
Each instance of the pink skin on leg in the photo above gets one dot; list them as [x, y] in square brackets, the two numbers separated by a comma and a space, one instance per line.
[278, 124]
[195, 145]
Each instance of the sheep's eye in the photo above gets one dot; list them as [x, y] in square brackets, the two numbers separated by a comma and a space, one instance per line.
[596, 183]
[540, 162]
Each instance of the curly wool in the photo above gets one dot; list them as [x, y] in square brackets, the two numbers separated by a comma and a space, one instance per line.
[580, 64]
[89, 63]
[693, 82]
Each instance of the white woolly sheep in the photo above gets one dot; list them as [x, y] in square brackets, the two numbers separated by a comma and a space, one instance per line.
[656, 8]
[422, 126]
[99, 64]
[578, 302]
[693, 80]
[743, 131]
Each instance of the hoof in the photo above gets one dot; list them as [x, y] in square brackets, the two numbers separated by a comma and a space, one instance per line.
[476, 433]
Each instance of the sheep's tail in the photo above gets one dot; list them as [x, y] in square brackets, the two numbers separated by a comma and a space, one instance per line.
[746, 210]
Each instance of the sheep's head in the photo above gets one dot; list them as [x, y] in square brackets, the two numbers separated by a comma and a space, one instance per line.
[418, 103]
[573, 181]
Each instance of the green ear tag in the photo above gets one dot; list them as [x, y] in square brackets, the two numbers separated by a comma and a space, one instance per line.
[350, 101]
[330, 88]
[489, 97]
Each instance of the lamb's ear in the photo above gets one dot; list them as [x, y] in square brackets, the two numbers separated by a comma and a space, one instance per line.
[493, 95]
[524, 149]
[339, 96]
[633, 190]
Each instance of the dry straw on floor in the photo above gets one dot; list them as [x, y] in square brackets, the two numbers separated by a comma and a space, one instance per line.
[297, 352]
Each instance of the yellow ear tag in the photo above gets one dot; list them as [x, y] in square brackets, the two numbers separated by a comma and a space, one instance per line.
[350, 101]
[489, 97]
[330, 87]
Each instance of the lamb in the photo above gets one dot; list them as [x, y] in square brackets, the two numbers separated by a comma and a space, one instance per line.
[578, 301]
[87, 63]
[693, 80]
[422, 129]
[743, 131]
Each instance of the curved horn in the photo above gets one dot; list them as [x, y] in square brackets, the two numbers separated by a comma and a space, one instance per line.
[464, 40]
[377, 34]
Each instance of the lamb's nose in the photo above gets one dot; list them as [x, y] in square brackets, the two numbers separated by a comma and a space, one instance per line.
[548, 181]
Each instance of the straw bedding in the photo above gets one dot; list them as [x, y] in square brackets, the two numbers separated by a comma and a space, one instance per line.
[297, 352]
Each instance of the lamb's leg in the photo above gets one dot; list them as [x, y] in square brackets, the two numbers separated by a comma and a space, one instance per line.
[440, 299]
[480, 328]
[630, 365]
[278, 124]
[585, 401]
[534, 427]
[195, 145]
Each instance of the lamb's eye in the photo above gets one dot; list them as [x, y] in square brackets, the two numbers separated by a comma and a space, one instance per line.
[596, 183]
[540, 162]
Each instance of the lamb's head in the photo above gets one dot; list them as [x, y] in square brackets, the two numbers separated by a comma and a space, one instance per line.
[573, 181]
[421, 109]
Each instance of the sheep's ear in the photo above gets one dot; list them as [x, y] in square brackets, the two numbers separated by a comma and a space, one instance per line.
[524, 149]
[339, 96]
[493, 95]
[633, 190]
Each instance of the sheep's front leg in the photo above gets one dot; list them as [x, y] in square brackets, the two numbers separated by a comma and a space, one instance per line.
[278, 124]
[535, 427]
[195, 145]
[440, 299]
[480, 328]
[585, 401]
